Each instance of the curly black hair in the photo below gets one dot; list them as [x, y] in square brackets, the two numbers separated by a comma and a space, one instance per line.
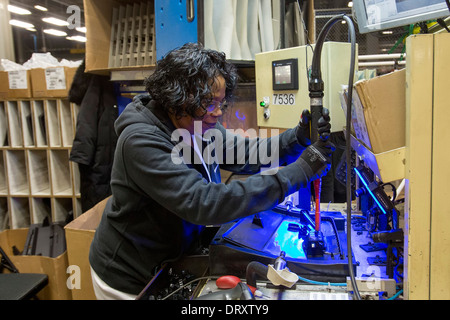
[183, 80]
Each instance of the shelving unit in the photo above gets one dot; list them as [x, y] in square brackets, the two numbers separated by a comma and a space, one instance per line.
[37, 180]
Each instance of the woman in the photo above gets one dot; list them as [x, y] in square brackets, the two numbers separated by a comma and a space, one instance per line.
[165, 180]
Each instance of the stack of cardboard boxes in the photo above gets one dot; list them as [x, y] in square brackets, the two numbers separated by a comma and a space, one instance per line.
[52, 82]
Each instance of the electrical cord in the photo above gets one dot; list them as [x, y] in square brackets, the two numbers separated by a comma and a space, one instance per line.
[442, 23]
[395, 296]
[322, 283]
[187, 284]
[394, 190]
[348, 153]
[212, 278]
[316, 74]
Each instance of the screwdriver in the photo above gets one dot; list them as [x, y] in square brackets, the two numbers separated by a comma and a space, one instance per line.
[229, 282]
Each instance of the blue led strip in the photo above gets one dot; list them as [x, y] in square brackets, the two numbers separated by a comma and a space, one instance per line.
[370, 191]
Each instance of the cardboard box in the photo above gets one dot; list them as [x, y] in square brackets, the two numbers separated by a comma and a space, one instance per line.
[15, 85]
[98, 16]
[52, 82]
[380, 111]
[79, 235]
[54, 268]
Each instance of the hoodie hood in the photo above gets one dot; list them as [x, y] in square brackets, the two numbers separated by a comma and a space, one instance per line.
[144, 110]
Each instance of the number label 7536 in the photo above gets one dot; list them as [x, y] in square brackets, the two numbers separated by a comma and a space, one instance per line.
[283, 99]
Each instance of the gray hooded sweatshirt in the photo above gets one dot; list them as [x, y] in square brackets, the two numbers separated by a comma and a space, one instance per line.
[162, 194]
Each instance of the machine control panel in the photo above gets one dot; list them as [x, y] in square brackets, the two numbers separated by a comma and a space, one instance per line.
[285, 74]
[282, 90]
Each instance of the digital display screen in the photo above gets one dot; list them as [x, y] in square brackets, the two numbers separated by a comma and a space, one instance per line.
[376, 15]
[384, 10]
[285, 74]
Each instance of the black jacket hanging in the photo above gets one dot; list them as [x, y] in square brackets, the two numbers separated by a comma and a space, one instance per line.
[95, 139]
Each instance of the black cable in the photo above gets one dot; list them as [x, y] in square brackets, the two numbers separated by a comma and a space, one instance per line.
[448, 4]
[186, 284]
[317, 82]
[394, 190]
[348, 151]
[442, 23]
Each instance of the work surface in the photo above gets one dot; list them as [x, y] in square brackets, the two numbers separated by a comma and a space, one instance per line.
[369, 259]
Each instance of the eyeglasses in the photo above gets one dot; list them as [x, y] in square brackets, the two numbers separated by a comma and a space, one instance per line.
[213, 106]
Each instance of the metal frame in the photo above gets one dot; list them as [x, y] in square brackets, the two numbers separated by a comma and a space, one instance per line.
[427, 227]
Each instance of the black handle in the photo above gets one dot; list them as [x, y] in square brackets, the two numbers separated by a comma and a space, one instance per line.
[316, 113]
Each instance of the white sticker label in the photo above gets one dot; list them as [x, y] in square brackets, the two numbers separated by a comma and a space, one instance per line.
[18, 79]
[283, 99]
[55, 79]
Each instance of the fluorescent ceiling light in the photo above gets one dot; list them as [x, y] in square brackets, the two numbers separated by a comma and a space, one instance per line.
[18, 10]
[55, 21]
[77, 38]
[350, 4]
[21, 24]
[81, 29]
[55, 32]
[41, 8]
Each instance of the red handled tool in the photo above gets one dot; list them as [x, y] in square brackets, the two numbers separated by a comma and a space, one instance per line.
[317, 188]
[316, 113]
[229, 282]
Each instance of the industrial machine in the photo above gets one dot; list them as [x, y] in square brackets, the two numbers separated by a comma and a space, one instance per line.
[282, 83]
[288, 240]
[313, 244]
[263, 237]
[382, 220]
[292, 243]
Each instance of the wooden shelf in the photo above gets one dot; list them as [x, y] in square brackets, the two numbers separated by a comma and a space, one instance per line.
[14, 124]
[17, 176]
[37, 180]
[39, 173]
[19, 211]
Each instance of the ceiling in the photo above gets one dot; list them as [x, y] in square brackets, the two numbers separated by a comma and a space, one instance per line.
[56, 7]
[60, 47]
[38, 41]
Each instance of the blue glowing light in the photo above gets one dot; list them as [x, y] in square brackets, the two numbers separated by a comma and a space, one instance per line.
[368, 189]
[289, 242]
[240, 117]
